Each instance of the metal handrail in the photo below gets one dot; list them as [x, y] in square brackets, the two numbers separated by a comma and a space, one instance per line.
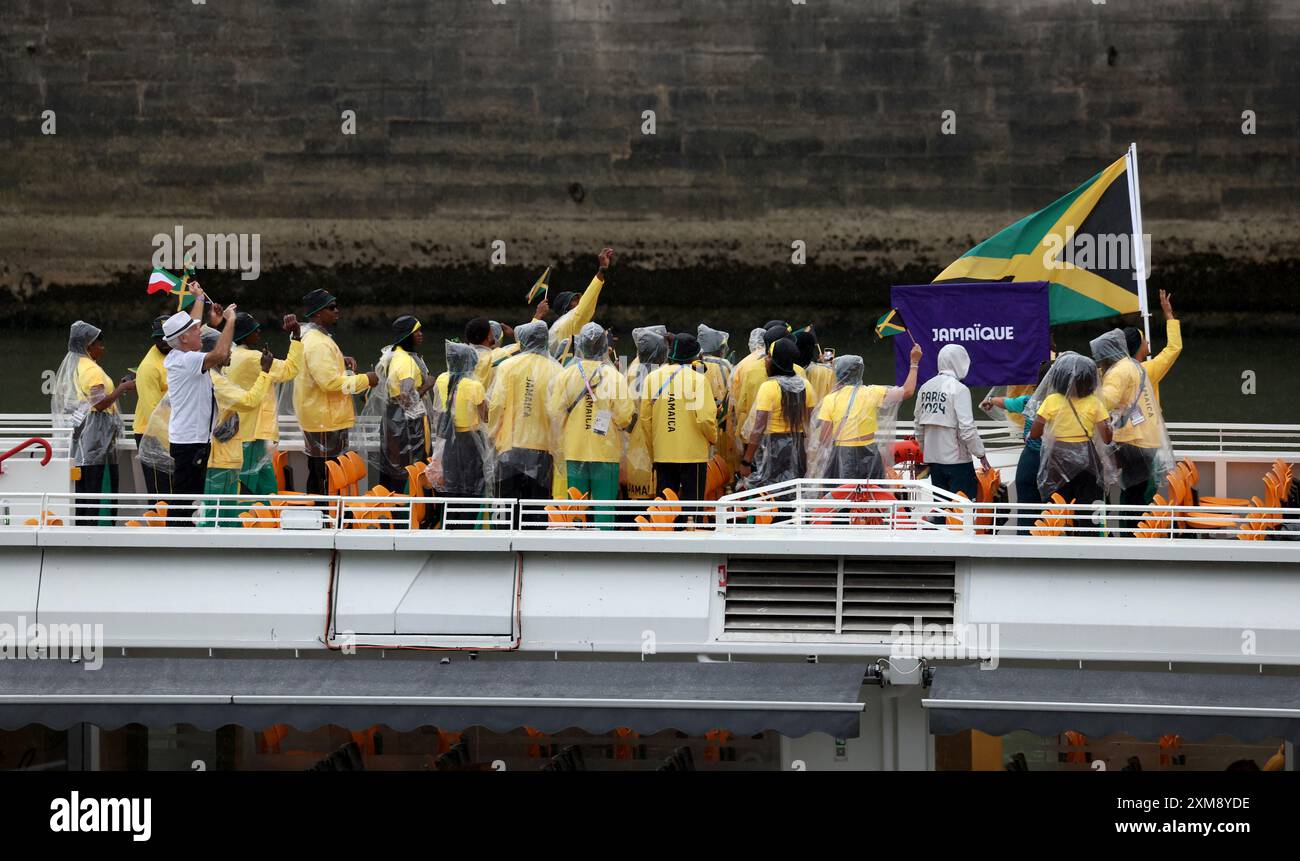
[901, 509]
[49, 451]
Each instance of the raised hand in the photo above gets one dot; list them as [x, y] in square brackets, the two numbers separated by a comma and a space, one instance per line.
[606, 257]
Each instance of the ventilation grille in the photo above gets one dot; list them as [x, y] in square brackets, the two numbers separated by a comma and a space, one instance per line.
[828, 595]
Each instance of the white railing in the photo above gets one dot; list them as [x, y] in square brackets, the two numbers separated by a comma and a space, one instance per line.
[288, 512]
[896, 509]
[1187, 437]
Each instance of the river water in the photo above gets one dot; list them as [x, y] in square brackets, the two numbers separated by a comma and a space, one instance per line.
[1206, 384]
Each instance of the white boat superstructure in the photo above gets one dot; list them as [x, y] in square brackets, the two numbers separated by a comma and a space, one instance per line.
[904, 582]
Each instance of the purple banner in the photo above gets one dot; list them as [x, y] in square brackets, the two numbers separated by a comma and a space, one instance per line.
[1002, 325]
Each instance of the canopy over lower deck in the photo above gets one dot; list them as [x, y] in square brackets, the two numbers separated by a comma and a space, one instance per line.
[412, 691]
[1097, 702]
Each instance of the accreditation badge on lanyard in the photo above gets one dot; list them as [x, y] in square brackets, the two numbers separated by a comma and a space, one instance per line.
[600, 424]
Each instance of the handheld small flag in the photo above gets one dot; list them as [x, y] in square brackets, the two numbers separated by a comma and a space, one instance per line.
[184, 289]
[540, 287]
[162, 281]
[890, 325]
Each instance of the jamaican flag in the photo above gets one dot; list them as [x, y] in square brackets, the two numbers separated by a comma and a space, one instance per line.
[890, 325]
[1080, 245]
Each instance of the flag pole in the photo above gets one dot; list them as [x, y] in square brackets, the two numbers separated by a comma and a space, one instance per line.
[1138, 246]
[185, 280]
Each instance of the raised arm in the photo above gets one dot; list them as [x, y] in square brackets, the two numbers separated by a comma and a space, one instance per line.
[218, 355]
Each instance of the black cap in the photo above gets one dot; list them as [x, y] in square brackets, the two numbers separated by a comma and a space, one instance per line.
[785, 355]
[685, 348]
[157, 331]
[245, 325]
[773, 334]
[806, 341]
[404, 327]
[563, 301]
[783, 324]
[315, 301]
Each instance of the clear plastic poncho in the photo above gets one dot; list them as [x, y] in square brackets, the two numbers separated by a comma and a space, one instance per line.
[94, 432]
[1143, 451]
[1075, 462]
[713, 347]
[589, 403]
[780, 456]
[154, 450]
[463, 460]
[637, 472]
[400, 417]
[525, 438]
[845, 445]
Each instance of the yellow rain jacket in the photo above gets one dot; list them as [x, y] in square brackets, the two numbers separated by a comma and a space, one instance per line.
[1121, 389]
[150, 386]
[1157, 366]
[322, 393]
[677, 404]
[571, 321]
[517, 403]
[233, 399]
[821, 379]
[572, 406]
[245, 365]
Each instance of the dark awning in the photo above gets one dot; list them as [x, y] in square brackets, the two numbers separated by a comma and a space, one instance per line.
[405, 692]
[1248, 707]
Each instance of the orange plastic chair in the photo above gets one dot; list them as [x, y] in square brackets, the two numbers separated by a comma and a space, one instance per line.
[266, 518]
[662, 517]
[337, 481]
[368, 515]
[953, 516]
[990, 483]
[46, 518]
[1192, 477]
[279, 461]
[1154, 523]
[1055, 521]
[1282, 472]
[354, 467]
[718, 476]
[563, 515]
[417, 483]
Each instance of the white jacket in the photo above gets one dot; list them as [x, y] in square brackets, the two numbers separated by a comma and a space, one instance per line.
[944, 422]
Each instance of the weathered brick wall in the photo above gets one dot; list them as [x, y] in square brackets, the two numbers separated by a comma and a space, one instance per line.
[775, 121]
